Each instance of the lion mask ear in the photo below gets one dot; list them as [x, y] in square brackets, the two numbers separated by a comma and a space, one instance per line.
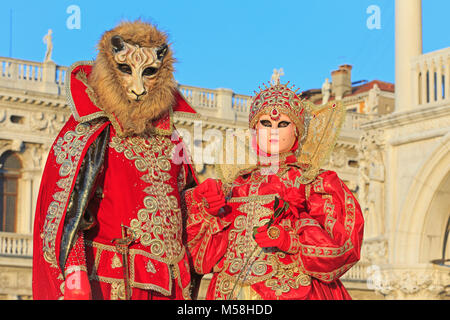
[162, 51]
[117, 43]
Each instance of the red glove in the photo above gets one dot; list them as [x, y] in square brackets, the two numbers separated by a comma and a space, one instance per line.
[273, 237]
[77, 286]
[210, 194]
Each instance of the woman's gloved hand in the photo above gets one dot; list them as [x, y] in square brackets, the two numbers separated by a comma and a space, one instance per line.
[210, 194]
[274, 236]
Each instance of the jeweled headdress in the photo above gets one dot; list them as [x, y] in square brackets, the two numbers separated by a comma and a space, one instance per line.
[278, 99]
[318, 127]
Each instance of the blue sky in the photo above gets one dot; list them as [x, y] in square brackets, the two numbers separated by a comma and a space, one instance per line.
[231, 44]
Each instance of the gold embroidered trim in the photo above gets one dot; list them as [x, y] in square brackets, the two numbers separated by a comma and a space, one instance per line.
[294, 246]
[326, 252]
[68, 150]
[89, 91]
[172, 269]
[166, 132]
[330, 220]
[266, 198]
[133, 252]
[209, 226]
[307, 191]
[306, 222]
[318, 185]
[350, 212]
[73, 269]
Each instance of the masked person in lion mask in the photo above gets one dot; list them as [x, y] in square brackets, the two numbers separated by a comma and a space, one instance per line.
[109, 223]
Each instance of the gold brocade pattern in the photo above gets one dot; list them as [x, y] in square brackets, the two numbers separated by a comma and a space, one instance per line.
[245, 262]
[68, 150]
[116, 283]
[287, 278]
[159, 224]
[117, 290]
[330, 220]
[242, 258]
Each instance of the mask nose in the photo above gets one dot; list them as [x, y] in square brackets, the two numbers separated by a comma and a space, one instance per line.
[274, 132]
[138, 95]
[137, 87]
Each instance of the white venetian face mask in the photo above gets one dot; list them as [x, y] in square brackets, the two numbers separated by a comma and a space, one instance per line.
[275, 136]
[138, 66]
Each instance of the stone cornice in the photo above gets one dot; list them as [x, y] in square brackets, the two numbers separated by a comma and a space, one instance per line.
[408, 117]
[33, 98]
[29, 137]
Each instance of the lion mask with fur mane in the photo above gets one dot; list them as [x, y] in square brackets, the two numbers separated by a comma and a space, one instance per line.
[132, 76]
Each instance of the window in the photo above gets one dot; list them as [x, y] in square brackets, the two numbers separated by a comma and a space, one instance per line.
[10, 168]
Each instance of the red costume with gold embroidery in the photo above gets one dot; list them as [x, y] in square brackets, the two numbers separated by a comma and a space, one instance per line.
[325, 224]
[288, 230]
[95, 181]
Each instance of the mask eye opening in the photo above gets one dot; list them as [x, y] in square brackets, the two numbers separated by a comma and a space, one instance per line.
[124, 68]
[283, 124]
[149, 71]
[266, 123]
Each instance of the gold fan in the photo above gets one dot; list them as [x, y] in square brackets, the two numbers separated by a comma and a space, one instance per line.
[323, 130]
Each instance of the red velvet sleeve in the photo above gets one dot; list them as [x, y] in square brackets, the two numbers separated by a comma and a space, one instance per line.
[207, 235]
[77, 256]
[330, 232]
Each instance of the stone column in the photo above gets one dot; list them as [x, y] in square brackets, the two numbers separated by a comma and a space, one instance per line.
[439, 92]
[447, 78]
[49, 77]
[225, 104]
[408, 44]
[25, 210]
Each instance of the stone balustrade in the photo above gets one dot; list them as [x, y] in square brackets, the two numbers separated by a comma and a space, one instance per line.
[216, 103]
[29, 75]
[431, 78]
[358, 273]
[199, 97]
[16, 245]
[14, 69]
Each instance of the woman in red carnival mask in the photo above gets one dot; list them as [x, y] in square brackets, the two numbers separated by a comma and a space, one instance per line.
[284, 228]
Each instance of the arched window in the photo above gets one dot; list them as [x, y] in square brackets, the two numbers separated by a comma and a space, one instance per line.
[10, 168]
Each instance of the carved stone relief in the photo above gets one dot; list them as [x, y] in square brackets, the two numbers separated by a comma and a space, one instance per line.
[371, 180]
[410, 284]
[50, 123]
